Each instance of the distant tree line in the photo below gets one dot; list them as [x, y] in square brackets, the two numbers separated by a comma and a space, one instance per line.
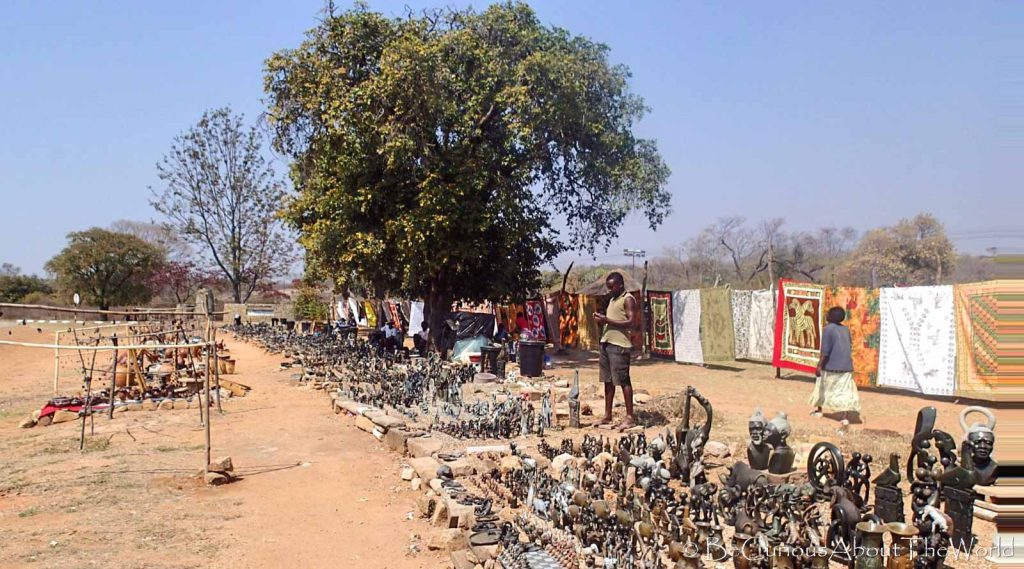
[745, 255]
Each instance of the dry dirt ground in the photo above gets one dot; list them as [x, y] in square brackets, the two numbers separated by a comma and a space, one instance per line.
[315, 491]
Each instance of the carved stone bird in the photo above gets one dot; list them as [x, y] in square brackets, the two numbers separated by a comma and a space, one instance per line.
[890, 476]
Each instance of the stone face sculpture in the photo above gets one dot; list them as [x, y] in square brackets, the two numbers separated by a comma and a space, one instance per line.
[783, 456]
[978, 442]
[758, 451]
[768, 449]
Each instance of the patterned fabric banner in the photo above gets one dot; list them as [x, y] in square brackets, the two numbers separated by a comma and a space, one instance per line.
[984, 337]
[918, 347]
[798, 324]
[589, 332]
[863, 319]
[741, 322]
[568, 319]
[394, 312]
[716, 334]
[371, 314]
[686, 326]
[551, 319]
[535, 320]
[661, 337]
[761, 326]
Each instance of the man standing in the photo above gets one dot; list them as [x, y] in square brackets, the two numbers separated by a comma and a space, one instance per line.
[618, 324]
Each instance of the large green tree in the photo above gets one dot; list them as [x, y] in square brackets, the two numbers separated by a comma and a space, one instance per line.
[452, 154]
[105, 267]
[913, 252]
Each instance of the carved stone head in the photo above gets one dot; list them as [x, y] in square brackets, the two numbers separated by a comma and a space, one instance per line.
[756, 426]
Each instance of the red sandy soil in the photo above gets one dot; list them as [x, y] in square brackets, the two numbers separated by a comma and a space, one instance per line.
[315, 491]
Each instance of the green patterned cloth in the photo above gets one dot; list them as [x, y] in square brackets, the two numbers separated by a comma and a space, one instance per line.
[716, 332]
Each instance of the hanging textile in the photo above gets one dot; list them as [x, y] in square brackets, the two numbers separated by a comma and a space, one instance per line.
[535, 321]
[863, 320]
[918, 346]
[798, 324]
[661, 337]
[761, 326]
[551, 319]
[371, 314]
[589, 333]
[741, 322]
[977, 320]
[568, 319]
[415, 318]
[686, 326]
[716, 334]
[394, 314]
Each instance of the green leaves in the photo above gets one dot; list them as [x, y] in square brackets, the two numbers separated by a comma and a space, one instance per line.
[438, 153]
[106, 267]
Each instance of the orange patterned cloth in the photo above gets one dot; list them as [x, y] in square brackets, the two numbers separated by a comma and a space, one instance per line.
[589, 331]
[989, 338]
[568, 319]
[863, 319]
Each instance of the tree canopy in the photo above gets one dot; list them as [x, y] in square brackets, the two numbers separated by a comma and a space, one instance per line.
[453, 153]
[15, 286]
[105, 267]
[222, 195]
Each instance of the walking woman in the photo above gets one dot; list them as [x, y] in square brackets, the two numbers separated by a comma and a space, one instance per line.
[834, 390]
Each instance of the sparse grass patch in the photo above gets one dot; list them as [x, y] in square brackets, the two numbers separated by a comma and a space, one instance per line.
[28, 513]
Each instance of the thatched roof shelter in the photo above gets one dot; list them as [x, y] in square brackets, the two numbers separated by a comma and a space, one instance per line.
[598, 287]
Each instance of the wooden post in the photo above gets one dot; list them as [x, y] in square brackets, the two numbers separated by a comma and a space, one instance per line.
[206, 402]
[56, 362]
[113, 380]
[216, 370]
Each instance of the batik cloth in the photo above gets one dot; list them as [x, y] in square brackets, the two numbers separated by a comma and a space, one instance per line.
[918, 347]
[551, 319]
[761, 326]
[660, 340]
[989, 337]
[568, 319]
[864, 322]
[394, 313]
[371, 314]
[716, 334]
[741, 322]
[798, 324]
[835, 391]
[686, 326]
[415, 317]
[589, 331]
[534, 312]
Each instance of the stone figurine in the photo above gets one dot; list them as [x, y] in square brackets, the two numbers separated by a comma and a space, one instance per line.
[768, 449]
[978, 443]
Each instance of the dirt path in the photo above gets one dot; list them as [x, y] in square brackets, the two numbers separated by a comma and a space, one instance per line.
[316, 492]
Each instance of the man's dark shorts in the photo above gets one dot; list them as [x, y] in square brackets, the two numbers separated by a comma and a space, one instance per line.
[615, 364]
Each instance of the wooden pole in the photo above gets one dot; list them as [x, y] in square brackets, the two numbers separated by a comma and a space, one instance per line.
[206, 402]
[56, 362]
[216, 371]
[113, 380]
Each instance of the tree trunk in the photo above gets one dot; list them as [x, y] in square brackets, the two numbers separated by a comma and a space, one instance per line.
[435, 311]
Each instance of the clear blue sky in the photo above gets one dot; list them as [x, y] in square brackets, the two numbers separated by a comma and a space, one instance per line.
[824, 113]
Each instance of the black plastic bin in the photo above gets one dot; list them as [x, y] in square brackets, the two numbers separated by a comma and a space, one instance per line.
[489, 359]
[531, 358]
